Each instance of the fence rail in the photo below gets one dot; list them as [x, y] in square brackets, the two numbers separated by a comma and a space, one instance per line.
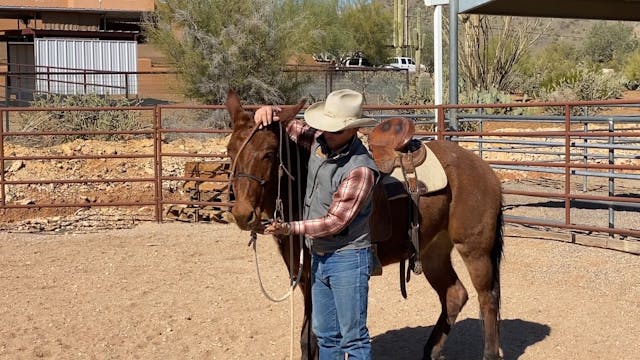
[580, 175]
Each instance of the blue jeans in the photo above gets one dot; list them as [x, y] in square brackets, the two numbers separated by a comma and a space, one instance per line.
[339, 294]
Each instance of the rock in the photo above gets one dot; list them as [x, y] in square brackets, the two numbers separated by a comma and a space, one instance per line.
[16, 165]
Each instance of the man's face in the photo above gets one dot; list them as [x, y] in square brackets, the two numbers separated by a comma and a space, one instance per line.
[338, 139]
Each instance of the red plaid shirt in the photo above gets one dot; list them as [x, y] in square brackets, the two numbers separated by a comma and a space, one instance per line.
[347, 200]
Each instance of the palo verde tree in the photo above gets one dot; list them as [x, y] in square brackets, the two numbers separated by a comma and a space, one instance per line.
[218, 44]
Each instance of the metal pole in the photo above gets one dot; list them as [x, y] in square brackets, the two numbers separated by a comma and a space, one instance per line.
[437, 58]
[453, 62]
[585, 157]
[438, 76]
[611, 178]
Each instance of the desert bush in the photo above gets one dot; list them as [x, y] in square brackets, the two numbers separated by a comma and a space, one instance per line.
[194, 119]
[419, 92]
[632, 71]
[79, 120]
[608, 44]
[584, 84]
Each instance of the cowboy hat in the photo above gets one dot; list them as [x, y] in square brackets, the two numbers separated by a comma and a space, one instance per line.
[342, 110]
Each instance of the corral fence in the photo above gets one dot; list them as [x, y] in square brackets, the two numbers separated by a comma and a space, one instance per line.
[23, 83]
[571, 167]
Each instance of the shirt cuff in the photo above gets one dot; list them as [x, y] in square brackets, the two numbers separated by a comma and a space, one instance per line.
[297, 227]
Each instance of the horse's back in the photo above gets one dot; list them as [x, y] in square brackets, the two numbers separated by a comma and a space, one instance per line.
[465, 170]
[475, 190]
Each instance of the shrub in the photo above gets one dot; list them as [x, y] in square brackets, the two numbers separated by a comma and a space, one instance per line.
[632, 71]
[79, 120]
[584, 84]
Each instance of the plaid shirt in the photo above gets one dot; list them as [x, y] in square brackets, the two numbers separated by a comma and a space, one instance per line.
[348, 199]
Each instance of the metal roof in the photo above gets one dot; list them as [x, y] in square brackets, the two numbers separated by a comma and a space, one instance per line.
[17, 12]
[575, 9]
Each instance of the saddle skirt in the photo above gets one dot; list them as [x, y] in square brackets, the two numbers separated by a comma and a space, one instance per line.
[430, 173]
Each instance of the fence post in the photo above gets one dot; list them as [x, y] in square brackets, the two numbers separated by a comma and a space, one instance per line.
[157, 148]
[480, 111]
[126, 85]
[611, 175]
[5, 115]
[585, 156]
[3, 201]
[567, 165]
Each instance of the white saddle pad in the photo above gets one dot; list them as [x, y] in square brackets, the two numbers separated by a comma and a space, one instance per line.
[430, 172]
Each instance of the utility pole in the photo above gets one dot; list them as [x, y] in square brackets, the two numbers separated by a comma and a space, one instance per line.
[453, 53]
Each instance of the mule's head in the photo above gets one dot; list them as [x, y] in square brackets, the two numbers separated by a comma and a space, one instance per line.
[255, 157]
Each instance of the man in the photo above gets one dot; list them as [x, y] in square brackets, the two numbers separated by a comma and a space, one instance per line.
[337, 207]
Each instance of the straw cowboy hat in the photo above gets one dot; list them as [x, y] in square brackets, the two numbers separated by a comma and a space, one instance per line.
[342, 110]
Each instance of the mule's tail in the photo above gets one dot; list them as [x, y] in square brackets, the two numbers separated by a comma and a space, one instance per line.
[496, 256]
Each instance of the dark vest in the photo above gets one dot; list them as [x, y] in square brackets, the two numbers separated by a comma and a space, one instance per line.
[323, 179]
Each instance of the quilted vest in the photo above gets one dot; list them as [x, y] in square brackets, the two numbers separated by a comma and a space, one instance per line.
[323, 179]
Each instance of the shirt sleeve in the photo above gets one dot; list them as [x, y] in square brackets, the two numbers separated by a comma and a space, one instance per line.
[301, 133]
[346, 204]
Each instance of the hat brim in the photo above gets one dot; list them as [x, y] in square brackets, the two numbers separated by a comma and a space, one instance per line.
[315, 117]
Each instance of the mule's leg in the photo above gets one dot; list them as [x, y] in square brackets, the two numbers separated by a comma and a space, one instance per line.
[308, 341]
[436, 262]
[483, 270]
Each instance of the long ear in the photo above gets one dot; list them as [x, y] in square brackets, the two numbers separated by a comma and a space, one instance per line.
[289, 113]
[238, 116]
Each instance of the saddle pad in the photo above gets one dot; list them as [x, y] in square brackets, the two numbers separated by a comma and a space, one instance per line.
[430, 172]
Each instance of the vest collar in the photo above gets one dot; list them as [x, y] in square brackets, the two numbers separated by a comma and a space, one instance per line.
[328, 153]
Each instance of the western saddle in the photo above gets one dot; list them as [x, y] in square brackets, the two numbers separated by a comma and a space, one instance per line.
[392, 146]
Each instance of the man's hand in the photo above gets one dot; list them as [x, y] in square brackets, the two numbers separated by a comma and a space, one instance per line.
[266, 115]
[278, 228]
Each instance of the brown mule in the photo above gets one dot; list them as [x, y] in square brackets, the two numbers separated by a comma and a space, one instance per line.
[466, 215]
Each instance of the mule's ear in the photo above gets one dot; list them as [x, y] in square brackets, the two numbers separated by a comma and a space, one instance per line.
[234, 107]
[289, 113]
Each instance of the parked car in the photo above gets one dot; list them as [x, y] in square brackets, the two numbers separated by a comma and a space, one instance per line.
[356, 61]
[401, 62]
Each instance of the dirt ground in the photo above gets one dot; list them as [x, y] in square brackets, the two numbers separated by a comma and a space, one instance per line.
[190, 291]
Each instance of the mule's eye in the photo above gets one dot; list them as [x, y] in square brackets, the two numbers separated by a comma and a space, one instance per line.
[268, 156]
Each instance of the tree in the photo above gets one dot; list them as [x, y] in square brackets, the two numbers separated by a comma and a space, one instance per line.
[610, 43]
[217, 44]
[369, 26]
[243, 44]
[490, 47]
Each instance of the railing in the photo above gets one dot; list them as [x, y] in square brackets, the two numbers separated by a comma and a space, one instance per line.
[571, 167]
[25, 82]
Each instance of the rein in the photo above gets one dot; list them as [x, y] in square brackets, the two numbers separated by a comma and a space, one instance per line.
[278, 214]
[235, 161]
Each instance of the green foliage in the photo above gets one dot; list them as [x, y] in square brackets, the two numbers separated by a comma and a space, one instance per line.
[609, 44]
[492, 96]
[242, 44]
[321, 25]
[84, 120]
[632, 70]
[368, 24]
[555, 65]
[420, 91]
[584, 84]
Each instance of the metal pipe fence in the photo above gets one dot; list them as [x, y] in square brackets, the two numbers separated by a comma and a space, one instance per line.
[562, 176]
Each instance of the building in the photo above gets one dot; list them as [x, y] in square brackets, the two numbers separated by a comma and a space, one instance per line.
[40, 40]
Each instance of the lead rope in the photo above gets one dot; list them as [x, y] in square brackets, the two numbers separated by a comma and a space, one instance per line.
[278, 215]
